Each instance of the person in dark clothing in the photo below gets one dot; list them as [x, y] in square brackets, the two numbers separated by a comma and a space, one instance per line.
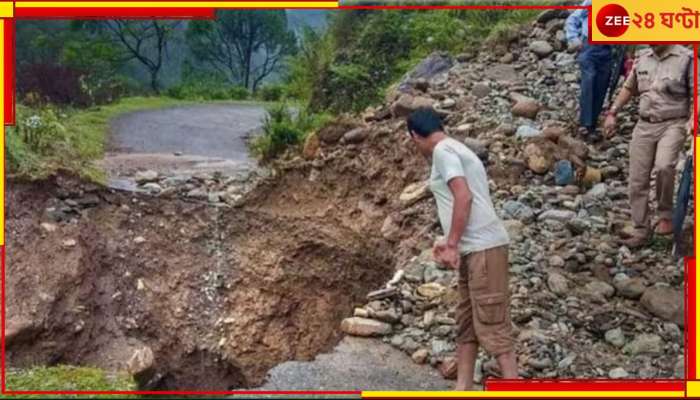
[596, 65]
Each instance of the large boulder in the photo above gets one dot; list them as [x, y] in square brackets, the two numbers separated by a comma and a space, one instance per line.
[141, 365]
[541, 48]
[665, 303]
[406, 104]
[432, 66]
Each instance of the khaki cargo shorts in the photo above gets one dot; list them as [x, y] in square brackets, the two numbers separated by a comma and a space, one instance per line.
[483, 311]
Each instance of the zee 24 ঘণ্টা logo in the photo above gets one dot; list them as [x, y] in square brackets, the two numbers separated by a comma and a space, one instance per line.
[613, 20]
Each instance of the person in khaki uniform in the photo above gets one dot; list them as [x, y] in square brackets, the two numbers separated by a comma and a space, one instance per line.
[663, 79]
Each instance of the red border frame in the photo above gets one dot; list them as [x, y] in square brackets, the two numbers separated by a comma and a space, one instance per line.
[492, 385]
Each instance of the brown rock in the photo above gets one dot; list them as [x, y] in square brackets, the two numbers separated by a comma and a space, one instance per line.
[537, 159]
[591, 176]
[665, 303]
[421, 84]
[140, 365]
[391, 229]
[553, 133]
[406, 104]
[526, 107]
[312, 145]
[481, 90]
[420, 356]
[356, 135]
[448, 368]
[574, 146]
[632, 288]
[331, 134]
[364, 327]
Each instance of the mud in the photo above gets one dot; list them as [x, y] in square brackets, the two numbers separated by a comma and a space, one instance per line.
[219, 295]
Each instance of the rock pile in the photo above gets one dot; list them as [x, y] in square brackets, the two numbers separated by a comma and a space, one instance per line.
[583, 305]
[214, 188]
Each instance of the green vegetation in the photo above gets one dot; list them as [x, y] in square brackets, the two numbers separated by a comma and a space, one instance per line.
[67, 379]
[283, 129]
[363, 52]
[47, 139]
[207, 90]
[251, 54]
[231, 43]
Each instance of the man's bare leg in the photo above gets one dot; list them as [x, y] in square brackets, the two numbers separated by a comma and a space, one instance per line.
[466, 358]
[509, 365]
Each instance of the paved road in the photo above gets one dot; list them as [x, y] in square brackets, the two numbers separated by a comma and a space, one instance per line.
[183, 139]
[355, 364]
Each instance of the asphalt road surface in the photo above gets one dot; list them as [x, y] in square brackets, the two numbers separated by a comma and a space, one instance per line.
[183, 139]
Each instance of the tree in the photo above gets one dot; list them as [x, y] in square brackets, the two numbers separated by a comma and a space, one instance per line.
[247, 46]
[145, 41]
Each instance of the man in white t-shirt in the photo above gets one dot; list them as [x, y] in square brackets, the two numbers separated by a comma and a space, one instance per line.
[476, 245]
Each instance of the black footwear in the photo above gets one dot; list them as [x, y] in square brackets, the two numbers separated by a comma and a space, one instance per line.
[592, 137]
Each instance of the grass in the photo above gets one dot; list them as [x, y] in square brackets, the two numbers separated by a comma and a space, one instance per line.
[65, 378]
[82, 139]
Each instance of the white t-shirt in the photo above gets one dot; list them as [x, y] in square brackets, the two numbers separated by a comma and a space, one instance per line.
[484, 230]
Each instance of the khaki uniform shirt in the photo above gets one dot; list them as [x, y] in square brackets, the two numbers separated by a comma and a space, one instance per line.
[664, 84]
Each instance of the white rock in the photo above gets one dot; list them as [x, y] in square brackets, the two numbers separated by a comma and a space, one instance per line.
[557, 283]
[618, 373]
[146, 176]
[364, 327]
[414, 192]
[615, 337]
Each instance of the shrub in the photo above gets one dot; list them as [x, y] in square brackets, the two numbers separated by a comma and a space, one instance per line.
[207, 90]
[38, 137]
[271, 92]
[283, 129]
[364, 51]
[238, 93]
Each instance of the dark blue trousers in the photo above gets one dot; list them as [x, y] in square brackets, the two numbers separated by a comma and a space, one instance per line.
[595, 63]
